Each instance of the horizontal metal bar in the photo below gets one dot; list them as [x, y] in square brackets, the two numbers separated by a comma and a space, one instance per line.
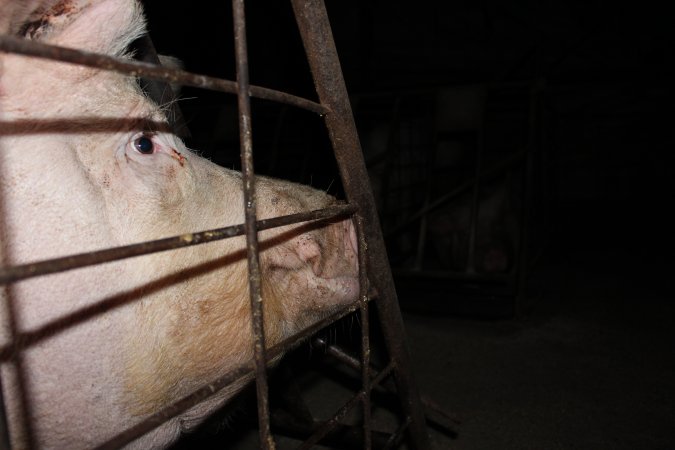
[23, 271]
[247, 370]
[146, 70]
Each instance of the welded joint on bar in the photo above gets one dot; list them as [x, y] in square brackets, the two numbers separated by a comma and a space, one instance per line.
[345, 358]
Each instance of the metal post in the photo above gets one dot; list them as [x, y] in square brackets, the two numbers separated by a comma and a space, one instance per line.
[254, 275]
[322, 56]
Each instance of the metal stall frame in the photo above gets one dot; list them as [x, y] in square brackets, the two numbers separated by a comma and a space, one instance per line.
[374, 271]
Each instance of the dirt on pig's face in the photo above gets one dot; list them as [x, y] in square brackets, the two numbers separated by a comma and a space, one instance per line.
[88, 162]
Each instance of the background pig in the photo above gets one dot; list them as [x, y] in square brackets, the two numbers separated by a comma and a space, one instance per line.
[87, 162]
[496, 231]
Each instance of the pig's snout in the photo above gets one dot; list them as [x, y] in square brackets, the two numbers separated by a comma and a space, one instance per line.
[310, 252]
[317, 269]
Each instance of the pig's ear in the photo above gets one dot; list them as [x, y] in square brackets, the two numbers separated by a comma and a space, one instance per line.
[103, 26]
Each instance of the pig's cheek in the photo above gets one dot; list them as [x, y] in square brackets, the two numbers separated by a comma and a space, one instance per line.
[151, 178]
[289, 295]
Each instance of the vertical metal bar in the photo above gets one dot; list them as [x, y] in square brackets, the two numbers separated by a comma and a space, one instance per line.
[323, 61]
[246, 145]
[365, 334]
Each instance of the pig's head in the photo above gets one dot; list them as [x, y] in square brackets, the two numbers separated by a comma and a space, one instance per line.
[87, 161]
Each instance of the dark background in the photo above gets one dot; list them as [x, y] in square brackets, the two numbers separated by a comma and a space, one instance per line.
[583, 355]
[606, 98]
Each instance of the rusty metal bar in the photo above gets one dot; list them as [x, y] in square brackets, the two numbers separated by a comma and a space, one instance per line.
[433, 412]
[201, 394]
[29, 270]
[334, 421]
[252, 250]
[365, 333]
[322, 56]
[146, 70]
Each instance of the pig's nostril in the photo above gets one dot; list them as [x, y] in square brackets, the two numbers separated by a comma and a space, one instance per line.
[310, 253]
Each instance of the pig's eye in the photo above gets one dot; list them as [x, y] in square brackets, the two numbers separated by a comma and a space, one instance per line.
[144, 144]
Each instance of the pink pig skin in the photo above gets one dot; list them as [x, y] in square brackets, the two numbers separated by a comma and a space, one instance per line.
[87, 162]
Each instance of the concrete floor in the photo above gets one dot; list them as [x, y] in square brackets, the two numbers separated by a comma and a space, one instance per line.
[590, 366]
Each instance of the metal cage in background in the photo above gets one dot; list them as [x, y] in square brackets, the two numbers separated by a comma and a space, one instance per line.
[374, 270]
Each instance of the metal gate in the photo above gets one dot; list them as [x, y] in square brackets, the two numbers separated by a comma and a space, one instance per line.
[375, 274]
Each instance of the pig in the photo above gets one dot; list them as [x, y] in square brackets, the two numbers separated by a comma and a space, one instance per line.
[88, 162]
[496, 231]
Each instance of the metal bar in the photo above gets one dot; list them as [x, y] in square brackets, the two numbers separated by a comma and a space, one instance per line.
[244, 371]
[334, 421]
[322, 56]
[29, 270]
[365, 334]
[146, 70]
[252, 250]
[433, 412]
